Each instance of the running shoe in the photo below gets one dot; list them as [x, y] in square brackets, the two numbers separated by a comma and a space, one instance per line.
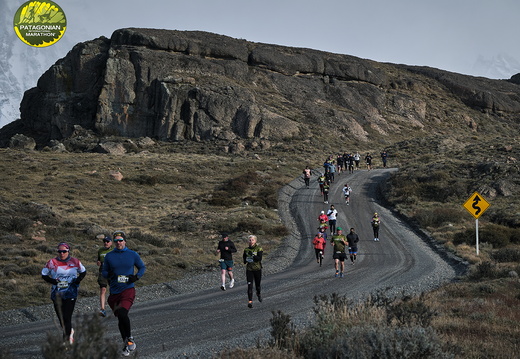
[125, 352]
[103, 313]
[130, 343]
[232, 283]
[259, 297]
[250, 305]
[223, 287]
[341, 275]
[336, 275]
[71, 336]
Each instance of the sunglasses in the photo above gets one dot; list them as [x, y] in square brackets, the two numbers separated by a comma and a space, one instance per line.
[118, 240]
[62, 251]
[107, 240]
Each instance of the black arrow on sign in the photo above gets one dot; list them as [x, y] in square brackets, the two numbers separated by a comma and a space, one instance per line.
[476, 200]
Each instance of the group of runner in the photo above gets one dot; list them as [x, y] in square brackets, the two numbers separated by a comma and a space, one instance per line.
[251, 257]
[116, 269]
[338, 240]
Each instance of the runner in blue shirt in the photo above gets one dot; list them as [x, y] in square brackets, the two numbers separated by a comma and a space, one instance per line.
[118, 267]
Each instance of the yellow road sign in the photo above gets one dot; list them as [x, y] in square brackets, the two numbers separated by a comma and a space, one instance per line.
[476, 205]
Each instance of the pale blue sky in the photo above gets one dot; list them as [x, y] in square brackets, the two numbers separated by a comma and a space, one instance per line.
[447, 34]
[464, 36]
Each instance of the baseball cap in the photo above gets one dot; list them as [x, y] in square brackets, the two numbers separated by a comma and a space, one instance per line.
[339, 229]
[119, 234]
[224, 235]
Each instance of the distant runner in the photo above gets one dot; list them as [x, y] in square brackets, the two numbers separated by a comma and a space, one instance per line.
[346, 193]
[319, 247]
[376, 221]
[353, 240]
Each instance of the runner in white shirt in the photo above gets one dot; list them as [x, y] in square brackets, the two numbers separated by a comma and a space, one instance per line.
[332, 213]
[346, 192]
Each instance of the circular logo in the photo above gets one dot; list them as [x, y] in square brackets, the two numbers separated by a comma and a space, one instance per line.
[40, 23]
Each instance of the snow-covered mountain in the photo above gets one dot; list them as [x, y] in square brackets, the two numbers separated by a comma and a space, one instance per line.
[21, 65]
[501, 66]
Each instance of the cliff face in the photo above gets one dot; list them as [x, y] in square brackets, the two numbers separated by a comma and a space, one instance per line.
[173, 85]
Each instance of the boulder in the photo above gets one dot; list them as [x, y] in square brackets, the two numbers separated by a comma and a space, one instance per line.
[23, 142]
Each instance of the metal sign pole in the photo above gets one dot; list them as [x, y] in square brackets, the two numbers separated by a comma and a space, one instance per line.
[476, 225]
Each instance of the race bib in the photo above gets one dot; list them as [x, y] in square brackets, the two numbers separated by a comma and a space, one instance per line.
[250, 259]
[221, 260]
[122, 279]
[63, 284]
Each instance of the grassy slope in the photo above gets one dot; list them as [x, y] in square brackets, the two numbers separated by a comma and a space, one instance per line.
[163, 203]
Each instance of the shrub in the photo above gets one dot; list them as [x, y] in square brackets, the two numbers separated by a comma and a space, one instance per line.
[484, 270]
[249, 225]
[149, 238]
[346, 329]
[282, 330]
[507, 255]
[16, 224]
[224, 199]
[496, 235]
[89, 342]
[439, 216]
[385, 343]
[238, 186]
[409, 312]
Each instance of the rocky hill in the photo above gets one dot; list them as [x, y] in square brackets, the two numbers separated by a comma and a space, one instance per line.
[184, 85]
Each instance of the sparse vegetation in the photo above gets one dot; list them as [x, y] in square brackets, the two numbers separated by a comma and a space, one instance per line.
[178, 189]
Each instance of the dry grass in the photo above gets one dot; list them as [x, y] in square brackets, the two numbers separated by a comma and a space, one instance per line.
[178, 190]
[162, 202]
[479, 319]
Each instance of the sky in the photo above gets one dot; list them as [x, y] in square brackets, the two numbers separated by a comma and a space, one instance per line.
[462, 36]
[446, 34]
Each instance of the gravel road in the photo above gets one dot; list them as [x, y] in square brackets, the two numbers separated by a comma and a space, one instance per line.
[194, 318]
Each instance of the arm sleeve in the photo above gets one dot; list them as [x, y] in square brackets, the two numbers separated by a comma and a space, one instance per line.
[232, 248]
[49, 279]
[106, 268]
[81, 276]
[258, 257]
[141, 268]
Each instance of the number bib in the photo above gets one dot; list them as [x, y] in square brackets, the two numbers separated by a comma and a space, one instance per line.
[122, 279]
[63, 284]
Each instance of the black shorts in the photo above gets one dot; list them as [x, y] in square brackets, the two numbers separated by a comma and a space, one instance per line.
[102, 281]
[341, 256]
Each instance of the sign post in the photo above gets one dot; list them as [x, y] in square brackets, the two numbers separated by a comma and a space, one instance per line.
[476, 205]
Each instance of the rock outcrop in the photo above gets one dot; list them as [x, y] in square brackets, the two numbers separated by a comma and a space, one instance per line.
[176, 85]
